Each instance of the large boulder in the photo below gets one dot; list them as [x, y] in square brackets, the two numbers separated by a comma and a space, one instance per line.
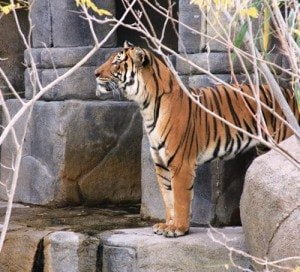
[270, 205]
[77, 152]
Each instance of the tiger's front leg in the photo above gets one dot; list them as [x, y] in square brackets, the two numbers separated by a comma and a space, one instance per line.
[182, 179]
[164, 182]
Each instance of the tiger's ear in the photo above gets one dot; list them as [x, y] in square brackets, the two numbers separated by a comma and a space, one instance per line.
[140, 57]
[127, 44]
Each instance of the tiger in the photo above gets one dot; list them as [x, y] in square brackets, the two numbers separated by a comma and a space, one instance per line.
[181, 134]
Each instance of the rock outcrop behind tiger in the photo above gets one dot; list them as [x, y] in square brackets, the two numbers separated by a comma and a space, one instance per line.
[270, 206]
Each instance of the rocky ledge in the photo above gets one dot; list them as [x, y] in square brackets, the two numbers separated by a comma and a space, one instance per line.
[82, 239]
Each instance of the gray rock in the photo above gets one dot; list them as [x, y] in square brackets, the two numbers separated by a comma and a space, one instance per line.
[77, 152]
[139, 250]
[118, 259]
[216, 63]
[69, 30]
[11, 52]
[270, 206]
[50, 58]
[66, 251]
[190, 15]
[197, 81]
[217, 190]
[20, 250]
[40, 15]
[80, 85]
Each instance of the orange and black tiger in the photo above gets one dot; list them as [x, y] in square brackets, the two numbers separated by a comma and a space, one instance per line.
[181, 134]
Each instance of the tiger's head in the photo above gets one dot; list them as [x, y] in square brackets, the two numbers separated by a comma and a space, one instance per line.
[119, 73]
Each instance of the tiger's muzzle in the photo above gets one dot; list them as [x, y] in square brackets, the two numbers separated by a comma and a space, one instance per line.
[105, 85]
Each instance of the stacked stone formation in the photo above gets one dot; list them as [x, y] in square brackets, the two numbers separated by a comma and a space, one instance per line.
[77, 150]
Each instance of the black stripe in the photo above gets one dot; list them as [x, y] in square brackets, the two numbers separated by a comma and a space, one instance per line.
[232, 111]
[125, 67]
[238, 145]
[170, 83]
[246, 146]
[217, 148]
[168, 187]
[284, 132]
[156, 114]
[263, 91]
[248, 128]
[157, 67]
[216, 101]
[191, 188]
[161, 166]
[137, 87]
[228, 136]
[163, 177]
[146, 102]
[249, 105]
[231, 147]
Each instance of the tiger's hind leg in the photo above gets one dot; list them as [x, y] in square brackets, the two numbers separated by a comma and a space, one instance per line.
[182, 187]
[164, 182]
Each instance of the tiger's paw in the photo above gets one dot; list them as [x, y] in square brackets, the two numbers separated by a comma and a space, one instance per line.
[159, 228]
[173, 231]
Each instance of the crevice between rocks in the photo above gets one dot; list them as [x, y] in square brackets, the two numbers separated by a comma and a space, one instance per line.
[39, 258]
[51, 24]
[279, 225]
[99, 258]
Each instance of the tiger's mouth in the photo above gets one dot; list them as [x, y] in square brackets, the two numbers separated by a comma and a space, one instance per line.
[105, 86]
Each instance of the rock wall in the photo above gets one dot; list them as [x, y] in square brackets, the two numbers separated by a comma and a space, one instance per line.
[77, 149]
[12, 51]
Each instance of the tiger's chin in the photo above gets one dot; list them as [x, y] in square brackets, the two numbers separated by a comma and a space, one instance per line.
[107, 86]
[101, 90]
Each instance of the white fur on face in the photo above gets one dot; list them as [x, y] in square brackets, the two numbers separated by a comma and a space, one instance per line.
[100, 88]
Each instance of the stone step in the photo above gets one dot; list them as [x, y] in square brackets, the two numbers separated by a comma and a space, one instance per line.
[140, 250]
[111, 239]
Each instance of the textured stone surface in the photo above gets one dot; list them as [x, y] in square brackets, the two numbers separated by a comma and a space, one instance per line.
[66, 251]
[40, 15]
[190, 16]
[78, 152]
[61, 239]
[270, 205]
[20, 250]
[62, 57]
[80, 85]
[11, 52]
[118, 259]
[140, 250]
[218, 187]
[69, 30]
[197, 81]
[216, 63]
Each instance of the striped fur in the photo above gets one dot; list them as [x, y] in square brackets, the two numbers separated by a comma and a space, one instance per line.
[181, 134]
